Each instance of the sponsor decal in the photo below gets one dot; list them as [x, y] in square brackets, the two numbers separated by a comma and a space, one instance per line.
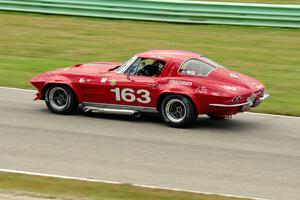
[103, 80]
[81, 80]
[178, 82]
[228, 87]
[159, 57]
[113, 82]
[233, 75]
[188, 72]
[201, 90]
[215, 94]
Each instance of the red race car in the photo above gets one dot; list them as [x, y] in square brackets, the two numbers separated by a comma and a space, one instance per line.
[179, 85]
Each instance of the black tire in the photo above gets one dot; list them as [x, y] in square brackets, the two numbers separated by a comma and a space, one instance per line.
[216, 117]
[60, 99]
[178, 111]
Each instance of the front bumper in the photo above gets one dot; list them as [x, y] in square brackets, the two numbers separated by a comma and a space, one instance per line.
[38, 96]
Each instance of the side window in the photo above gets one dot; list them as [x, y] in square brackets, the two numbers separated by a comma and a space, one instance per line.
[195, 67]
[145, 67]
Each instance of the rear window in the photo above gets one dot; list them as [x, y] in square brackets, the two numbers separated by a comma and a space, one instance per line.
[195, 67]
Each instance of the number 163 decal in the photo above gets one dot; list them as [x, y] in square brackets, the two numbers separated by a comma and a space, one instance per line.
[129, 95]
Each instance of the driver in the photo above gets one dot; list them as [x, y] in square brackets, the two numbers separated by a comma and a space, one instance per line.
[152, 70]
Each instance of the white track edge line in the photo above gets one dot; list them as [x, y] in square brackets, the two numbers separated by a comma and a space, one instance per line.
[253, 113]
[119, 183]
[273, 115]
[19, 89]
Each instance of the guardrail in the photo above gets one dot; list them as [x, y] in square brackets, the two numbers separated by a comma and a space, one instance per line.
[179, 11]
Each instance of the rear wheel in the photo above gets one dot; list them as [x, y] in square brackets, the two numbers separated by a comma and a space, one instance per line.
[60, 99]
[178, 111]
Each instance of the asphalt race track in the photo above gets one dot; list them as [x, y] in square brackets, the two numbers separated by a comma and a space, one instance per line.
[250, 155]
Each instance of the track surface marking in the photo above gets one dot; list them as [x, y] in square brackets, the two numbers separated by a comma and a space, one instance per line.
[249, 155]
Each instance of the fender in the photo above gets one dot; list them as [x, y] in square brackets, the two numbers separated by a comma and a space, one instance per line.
[65, 81]
[181, 90]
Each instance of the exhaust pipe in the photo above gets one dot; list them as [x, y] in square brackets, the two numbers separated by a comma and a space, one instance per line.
[111, 111]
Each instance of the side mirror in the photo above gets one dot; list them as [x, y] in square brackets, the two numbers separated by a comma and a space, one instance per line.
[128, 76]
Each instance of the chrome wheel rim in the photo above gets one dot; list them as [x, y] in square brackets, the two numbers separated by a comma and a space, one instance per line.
[58, 98]
[175, 110]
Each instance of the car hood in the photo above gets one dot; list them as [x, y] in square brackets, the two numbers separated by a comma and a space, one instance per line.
[94, 67]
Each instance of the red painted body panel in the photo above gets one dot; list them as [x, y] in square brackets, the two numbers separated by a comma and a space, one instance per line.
[97, 82]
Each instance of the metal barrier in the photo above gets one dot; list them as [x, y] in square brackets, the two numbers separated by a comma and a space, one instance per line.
[179, 11]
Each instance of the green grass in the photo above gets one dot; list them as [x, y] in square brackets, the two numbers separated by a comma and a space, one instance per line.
[257, 1]
[61, 188]
[33, 43]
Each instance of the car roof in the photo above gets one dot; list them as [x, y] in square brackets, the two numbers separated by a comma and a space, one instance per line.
[174, 54]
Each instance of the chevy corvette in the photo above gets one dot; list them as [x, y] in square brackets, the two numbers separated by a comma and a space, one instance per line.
[178, 85]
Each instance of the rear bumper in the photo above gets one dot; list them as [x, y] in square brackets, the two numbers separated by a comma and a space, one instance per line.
[252, 104]
[260, 100]
[230, 109]
[231, 105]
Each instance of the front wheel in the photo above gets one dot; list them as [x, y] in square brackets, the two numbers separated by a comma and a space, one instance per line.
[178, 111]
[60, 99]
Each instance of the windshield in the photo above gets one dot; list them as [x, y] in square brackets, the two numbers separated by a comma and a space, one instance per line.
[124, 66]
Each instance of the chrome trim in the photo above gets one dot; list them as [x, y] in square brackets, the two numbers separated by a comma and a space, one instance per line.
[133, 59]
[232, 105]
[266, 95]
[170, 114]
[55, 102]
[260, 100]
[141, 109]
[109, 111]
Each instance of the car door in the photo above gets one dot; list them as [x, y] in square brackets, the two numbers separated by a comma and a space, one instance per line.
[94, 87]
[126, 88]
[133, 90]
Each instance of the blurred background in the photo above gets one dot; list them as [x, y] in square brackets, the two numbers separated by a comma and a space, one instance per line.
[252, 155]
